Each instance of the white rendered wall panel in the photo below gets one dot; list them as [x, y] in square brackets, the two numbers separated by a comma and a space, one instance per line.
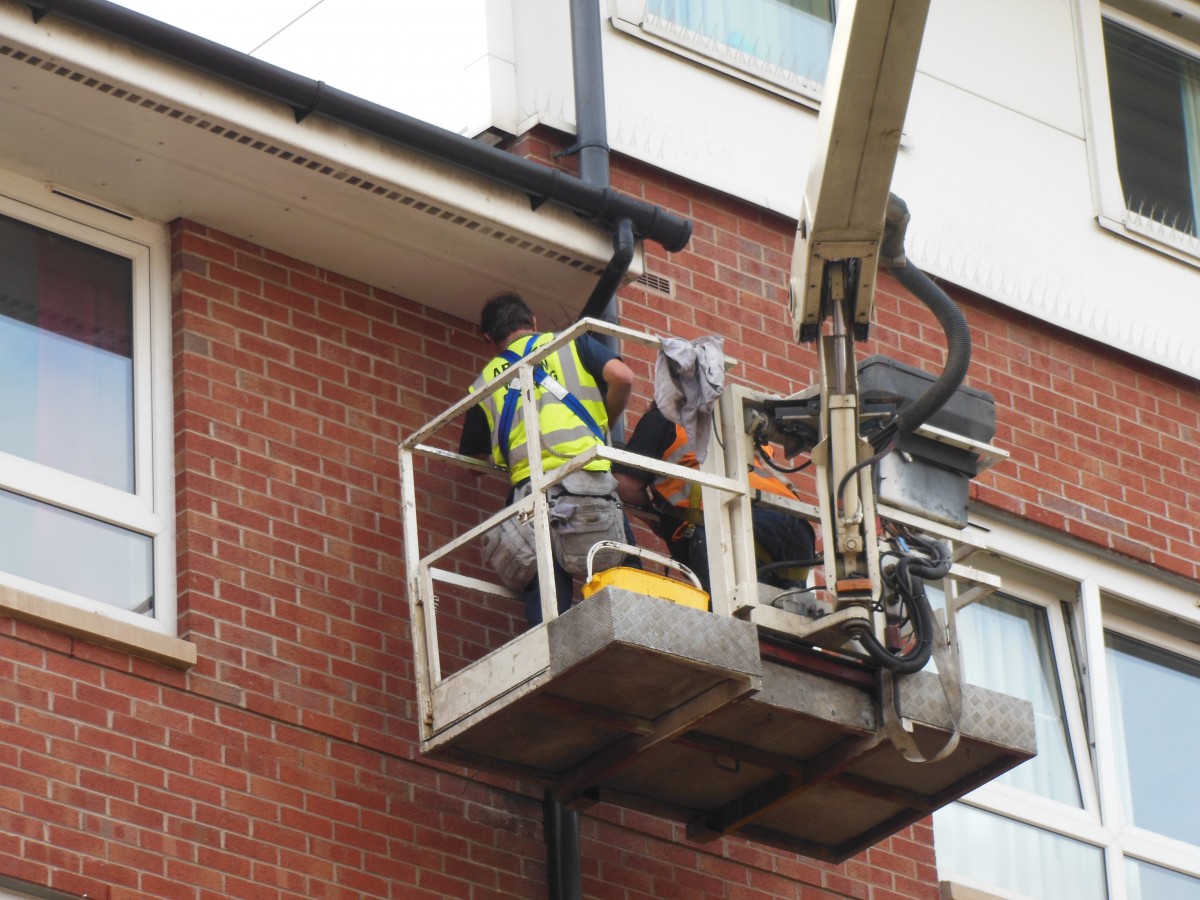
[707, 127]
[1019, 54]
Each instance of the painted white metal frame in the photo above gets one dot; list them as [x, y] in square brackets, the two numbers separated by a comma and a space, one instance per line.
[520, 665]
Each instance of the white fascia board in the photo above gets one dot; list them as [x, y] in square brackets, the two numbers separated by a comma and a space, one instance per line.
[545, 82]
[454, 233]
[164, 80]
[498, 68]
[702, 124]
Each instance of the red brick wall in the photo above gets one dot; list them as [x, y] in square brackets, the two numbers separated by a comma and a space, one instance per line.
[283, 764]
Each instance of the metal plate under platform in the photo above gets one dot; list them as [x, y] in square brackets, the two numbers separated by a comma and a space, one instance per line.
[673, 711]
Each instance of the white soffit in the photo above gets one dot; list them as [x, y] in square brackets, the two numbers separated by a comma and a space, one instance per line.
[125, 128]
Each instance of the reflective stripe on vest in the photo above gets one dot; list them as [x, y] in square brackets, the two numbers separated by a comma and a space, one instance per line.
[541, 378]
[679, 493]
[675, 491]
[563, 435]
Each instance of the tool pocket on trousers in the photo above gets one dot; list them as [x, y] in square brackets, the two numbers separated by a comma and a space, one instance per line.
[510, 552]
[584, 511]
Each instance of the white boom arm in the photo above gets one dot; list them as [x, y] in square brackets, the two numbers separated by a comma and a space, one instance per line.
[871, 70]
[872, 67]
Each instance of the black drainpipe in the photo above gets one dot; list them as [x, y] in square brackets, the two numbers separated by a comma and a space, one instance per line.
[591, 144]
[306, 96]
[561, 826]
[591, 126]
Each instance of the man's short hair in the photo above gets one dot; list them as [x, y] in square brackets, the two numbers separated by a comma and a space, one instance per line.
[503, 315]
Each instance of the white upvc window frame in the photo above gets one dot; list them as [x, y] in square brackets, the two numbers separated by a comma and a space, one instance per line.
[631, 17]
[1126, 839]
[1110, 208]
[1096, 577]
[149, 509]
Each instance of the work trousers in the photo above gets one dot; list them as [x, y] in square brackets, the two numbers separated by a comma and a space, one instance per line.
[778, 537]
[564, 585]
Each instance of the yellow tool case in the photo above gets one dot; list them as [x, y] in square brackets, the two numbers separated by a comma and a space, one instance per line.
[640, 581]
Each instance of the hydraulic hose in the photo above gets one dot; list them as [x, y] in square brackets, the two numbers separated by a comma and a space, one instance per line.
[911, 573]
[916, 659]
[958, 353]
[949, 316]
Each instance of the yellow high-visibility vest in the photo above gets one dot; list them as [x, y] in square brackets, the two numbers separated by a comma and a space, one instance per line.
[563, 435]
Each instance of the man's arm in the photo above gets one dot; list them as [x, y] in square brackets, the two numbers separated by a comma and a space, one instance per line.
[651, 437]
[476, 438]
[632, 490]
[612, 375]
[619, 378]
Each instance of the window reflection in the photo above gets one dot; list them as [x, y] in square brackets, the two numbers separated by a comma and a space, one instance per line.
[1156, 122]
[1154, 696]
[66, 354]
[1149, 882]
[794, 35]
[74, 553]
[1015, 856]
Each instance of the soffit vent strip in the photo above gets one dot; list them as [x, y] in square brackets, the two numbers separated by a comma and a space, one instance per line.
[319, 167]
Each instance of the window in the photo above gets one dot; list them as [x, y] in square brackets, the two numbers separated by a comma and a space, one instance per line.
[85, 428]
[1021, 859]
[1110, 660]
[774, 43]
[1155, 91]
[1141, 63]
[1152, 696]
[1008, 646]
[1147, 882]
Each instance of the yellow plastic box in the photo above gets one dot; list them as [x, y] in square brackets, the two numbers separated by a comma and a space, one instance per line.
[639, 581]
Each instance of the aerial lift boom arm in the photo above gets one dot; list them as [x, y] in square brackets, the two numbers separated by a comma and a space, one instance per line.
[838, 242]
[873, 63]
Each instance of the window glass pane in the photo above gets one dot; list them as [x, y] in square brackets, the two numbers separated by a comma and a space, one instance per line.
[1014, 856]
[1154, 696]
[75, 553]
[66, 354]
[1005, 646]
[1148, 882]
[794, 35]
[1155, 92]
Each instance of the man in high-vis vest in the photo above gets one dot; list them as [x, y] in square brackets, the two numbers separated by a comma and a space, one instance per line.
[581, 388]
[778, 537]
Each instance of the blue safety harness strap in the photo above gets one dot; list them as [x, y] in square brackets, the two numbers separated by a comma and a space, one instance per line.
[508, 411]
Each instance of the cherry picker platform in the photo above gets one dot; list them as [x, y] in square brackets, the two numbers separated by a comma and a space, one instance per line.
[745, 720]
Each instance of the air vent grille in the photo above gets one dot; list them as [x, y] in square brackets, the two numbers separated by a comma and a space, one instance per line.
[658, 283]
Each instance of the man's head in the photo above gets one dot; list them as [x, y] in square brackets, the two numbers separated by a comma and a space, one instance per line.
[505, 315]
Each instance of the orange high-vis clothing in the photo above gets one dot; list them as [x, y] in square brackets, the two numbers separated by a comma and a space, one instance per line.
[685, 495]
